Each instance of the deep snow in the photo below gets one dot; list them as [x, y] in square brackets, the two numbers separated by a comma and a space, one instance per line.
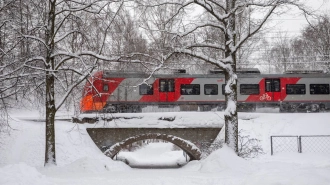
[80, 161]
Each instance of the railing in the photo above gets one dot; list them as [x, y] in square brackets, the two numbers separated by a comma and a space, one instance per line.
[306, 143]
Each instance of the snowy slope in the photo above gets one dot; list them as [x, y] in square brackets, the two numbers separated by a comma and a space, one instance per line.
[25, 144]
[81, 162]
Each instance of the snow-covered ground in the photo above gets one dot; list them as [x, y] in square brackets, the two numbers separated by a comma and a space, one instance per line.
[80, 161]
[154, 155]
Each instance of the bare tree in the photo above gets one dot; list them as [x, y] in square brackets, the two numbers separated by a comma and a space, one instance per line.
[281, 52]
[11, 54]
[224, 18]
[317, 39]
[62, 50]
[308, 51]
[126, 38]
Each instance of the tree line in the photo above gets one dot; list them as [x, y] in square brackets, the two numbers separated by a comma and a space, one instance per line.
[310, 50]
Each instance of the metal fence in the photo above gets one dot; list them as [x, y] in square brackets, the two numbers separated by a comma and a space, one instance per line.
[301, 144]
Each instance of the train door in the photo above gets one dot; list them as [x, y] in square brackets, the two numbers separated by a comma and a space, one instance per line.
[166, 90]
[273, 89]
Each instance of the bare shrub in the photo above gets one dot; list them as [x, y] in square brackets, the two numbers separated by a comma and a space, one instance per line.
[247, 147]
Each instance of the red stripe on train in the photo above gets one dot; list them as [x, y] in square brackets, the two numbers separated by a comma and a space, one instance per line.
[272, 96]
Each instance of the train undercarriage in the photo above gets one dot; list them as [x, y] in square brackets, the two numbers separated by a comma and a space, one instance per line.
[288, 107]
[304, 107]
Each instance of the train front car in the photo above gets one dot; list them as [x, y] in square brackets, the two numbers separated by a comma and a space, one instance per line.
[112, 91]
[95, 93]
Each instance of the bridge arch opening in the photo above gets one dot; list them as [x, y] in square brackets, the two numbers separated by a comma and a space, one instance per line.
[189, 148]
[152, 154]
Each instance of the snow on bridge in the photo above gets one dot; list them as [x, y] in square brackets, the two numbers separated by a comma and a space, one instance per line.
[154, 120]
[187, 130]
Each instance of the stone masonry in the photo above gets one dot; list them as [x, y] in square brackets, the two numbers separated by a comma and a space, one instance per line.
[112, 140]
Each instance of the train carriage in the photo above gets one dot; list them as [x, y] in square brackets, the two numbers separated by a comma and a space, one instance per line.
[132, 91]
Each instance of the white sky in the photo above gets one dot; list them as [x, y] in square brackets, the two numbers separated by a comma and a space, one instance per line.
[291, 21]
[294, 21]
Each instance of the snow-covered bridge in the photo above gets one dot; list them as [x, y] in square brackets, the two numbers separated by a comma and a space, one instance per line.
[112, 140]
[187, 130]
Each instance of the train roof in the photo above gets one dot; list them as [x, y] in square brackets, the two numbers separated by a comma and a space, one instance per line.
[116, 74]
[238, 71]
[304, 72]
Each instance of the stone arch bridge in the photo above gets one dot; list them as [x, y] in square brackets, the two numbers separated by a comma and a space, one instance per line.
[112, 140]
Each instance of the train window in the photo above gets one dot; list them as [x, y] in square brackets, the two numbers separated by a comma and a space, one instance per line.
[190, 89]
[162, 85]
[105, 87]
[146, 89]
[211, 89]
[223, 89]
[166, 85]
[319, 88]
[170, 85]
[268, 85]
[276, 85]
[247, 89]
[295, 89]
[272, 85]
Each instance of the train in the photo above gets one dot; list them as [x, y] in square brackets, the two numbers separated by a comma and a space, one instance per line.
[294, 91]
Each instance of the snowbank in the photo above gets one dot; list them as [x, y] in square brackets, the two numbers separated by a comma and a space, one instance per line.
[22, 174]
[284, 169]
[88, 165]
[225, 159]
[26, 144]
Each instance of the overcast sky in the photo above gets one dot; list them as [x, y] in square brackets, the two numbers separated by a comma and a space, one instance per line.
[293, 21]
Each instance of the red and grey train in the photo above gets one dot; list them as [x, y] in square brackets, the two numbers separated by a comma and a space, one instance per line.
[124, 92]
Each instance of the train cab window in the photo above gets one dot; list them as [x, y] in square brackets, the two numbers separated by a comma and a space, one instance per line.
[105, 87]
[319, 88]
[272, 85]
[295, 89]
[166, 85]
[190, 89]
[211, 89]
[247, 89]
[146, 89]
